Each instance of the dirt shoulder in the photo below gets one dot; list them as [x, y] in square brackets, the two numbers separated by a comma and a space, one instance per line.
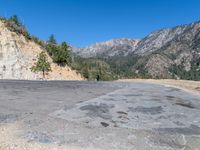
[9, 140]
[189, 86]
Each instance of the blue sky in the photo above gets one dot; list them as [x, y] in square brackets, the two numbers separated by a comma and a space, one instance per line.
[84, 22]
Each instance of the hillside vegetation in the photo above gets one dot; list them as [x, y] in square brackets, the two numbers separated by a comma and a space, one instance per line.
[61, 54]
[172, 53]
[21, 55]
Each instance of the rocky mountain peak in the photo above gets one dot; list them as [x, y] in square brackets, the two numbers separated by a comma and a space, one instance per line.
[166, 53]
[109, 48]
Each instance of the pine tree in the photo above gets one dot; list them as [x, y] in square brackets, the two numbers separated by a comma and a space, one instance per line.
[60, 53]
[16, 20]
[52, 40]
[42, 65]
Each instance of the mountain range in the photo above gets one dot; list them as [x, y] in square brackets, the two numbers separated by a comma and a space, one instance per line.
[166, 53]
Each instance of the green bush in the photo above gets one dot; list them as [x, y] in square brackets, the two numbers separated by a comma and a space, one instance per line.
[59, 53]
[62, 55]
[2, 18]
[38, 41]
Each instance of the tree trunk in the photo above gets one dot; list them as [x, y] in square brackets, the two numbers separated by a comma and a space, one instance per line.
[43, 72]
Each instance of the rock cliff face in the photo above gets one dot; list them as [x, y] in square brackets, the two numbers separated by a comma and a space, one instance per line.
[17, 56]
[158, 39]
[181, 49]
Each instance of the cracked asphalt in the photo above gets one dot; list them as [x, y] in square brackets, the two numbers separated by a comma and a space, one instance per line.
[102, 115]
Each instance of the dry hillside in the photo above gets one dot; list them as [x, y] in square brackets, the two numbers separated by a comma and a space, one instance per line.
[17, 56]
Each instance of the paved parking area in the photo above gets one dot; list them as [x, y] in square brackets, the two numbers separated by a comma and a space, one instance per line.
[103, 115]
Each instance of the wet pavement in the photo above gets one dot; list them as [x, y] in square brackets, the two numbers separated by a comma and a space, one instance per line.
[104, 115]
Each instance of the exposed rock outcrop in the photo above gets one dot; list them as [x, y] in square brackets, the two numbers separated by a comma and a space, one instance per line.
[18, 55]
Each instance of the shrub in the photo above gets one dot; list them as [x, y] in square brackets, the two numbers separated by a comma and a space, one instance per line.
[38, 41]
[59, 53]
[15, 25]
[62, 55]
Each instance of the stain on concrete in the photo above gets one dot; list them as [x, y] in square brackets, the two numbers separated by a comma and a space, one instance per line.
[101, 110]
[170, 97]
[173, 90]
[123, 113]
[191, 130]
[187, 105]
[132, 95]
[178, 123]
[172, 116]
[147, 110]
[104, 124]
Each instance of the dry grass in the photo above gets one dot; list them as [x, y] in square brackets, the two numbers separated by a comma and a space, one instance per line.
[189, 86]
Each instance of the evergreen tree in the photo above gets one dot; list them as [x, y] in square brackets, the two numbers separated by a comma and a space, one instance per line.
[42, 64]
[64, 54]
[60, 53]
[52, 40]
[85, 73]
[15, 20]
